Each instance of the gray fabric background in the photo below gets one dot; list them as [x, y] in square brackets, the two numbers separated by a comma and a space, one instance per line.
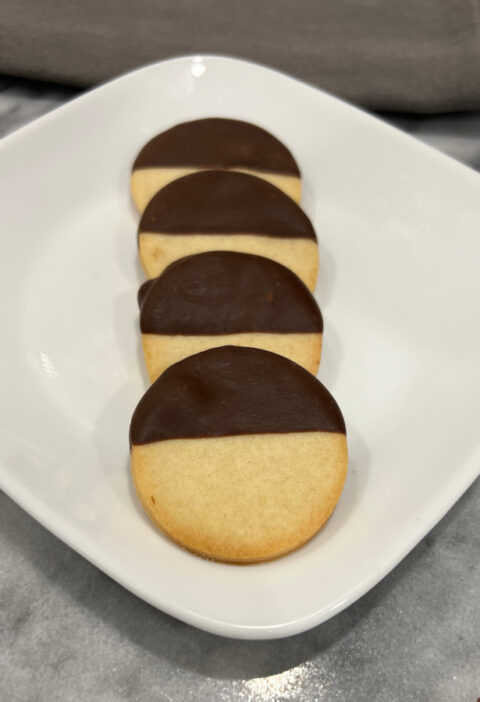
[410, 55]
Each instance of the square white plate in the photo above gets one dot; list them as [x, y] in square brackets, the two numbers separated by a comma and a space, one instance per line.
[399, 286]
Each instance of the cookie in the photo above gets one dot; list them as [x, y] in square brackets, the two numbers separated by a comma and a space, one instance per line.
[222, 297]
[214, 210]
[238, 454]
[211, 144]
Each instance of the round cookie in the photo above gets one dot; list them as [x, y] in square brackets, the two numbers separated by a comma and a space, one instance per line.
[211, 144]
[223, 297]
[238, 454]
[214, 210]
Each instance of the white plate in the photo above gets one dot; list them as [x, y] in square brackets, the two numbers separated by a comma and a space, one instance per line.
[398, 225]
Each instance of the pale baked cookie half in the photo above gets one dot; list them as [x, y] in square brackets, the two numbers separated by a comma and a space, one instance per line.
[214, 210]
[212, 143]
[223, 297]
[238, 454]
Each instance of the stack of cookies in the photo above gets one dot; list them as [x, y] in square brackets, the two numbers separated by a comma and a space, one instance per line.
[238, 452]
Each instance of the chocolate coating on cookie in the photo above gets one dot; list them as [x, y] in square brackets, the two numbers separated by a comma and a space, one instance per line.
[225, 202]
[144, 290]
[222, 292]
[217, 143]
[233, 390]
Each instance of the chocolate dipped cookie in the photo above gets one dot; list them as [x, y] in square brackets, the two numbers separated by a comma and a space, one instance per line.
[212, 143]
[238, 454]
[223, 297]
[214, 210]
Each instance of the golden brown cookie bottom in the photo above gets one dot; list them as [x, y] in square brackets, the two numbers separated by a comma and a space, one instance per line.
[145, 182]
[241, 499]
[157, 251]
[162, 350]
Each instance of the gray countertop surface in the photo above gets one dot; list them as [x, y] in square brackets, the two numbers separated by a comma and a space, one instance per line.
[70, 633]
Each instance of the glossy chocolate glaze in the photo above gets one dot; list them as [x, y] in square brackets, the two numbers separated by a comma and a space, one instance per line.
[144, 289]
[217, 143]
[222, 292]
[225, 202]
[233, 390]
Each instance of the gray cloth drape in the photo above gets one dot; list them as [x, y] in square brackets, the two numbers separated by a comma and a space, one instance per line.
[411, 55]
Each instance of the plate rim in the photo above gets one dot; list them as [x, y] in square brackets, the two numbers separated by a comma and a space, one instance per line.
[362, 113]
